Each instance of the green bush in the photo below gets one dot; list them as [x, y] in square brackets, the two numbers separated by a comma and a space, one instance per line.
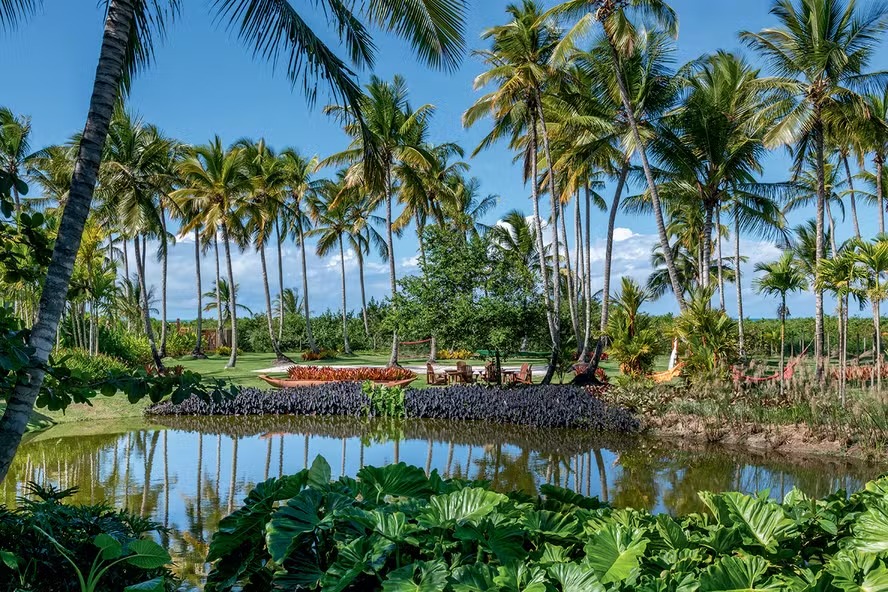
[223, 351]
[87, 367]
[133, 350]
[395, 528]
[33, 561]
[181, 344]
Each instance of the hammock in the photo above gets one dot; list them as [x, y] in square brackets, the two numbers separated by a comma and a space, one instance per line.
[667, 375]
[788, 372]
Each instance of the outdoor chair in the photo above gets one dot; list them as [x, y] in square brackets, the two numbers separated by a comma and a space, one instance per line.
[489, 374]
[464, 373]
[434, 378]
[525, 375]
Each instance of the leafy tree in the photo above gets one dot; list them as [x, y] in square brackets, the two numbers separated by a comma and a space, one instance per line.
[635, 341]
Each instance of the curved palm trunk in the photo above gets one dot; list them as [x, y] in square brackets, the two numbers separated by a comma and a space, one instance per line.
[850, 178]
[706, 246]
[197, 352]
[347, 347]
[308, 335]
[737, 279]
[232, 298]
[782, 340]
[609, 248]
[393, 358]
[820, 246]
[649, 177]
[275, 346]
[146, 312]
[572, 304]
[556, 248]
[164, 259]
[880, 163]
[538, 226]
[219, 315]
[583, 248]
[280, 262]
[363, 294]
[58, 276]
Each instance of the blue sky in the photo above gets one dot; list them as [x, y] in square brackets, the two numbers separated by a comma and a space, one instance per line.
[204, 82]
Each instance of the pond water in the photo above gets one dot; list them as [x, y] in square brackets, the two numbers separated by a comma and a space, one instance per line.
[187, 473]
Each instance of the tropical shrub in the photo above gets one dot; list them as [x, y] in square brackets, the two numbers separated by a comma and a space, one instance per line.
[322, 354]
[354, 374]
[635, 340]
[87, 367]
[541, 406]
[133, 350]
[181, 344]
[36, 538]
[385, 401]
[709, 335]
[394, 528]
[455, 354]
[223, 351]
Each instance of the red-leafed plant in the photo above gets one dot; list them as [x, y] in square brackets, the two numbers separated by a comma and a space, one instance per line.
[356, 374]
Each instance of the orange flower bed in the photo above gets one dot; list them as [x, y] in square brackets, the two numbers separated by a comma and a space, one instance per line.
[356, 374]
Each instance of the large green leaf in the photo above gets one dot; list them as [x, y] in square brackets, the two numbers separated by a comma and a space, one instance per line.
[613, 553]
[155, 585]
[504, 541]
[110, 547]
[737, 574]
[551, 524]
[400, 480]
[147, 554]
[319, 474]
[422, 576]
[764, 522]
[871, 529]
[520, 577]
[301, 515]
[362, 555]
[392, 525]
[473, 578]
[671, 532]
[464, 506]
[575, 578]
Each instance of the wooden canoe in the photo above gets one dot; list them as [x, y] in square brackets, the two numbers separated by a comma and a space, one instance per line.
[287, 383]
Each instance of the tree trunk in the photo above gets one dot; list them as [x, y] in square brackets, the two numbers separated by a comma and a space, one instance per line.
[706, 245]
[347, 347]
[877, 323]
[538, 224]
[820, 247]
[280, 262]
[219, 314]
[393, 358]
[275, 346]
[556, 249]
[146, 310]
[164, 245]
[360, 256]
[649, 176]
[737, 279]
[850, 178]
[583, 247]
[720, 266]
[609, 248]
[232, 298]
[880, 162]
[782, 340]
[572, 291]
[197, 352]
[308, 335]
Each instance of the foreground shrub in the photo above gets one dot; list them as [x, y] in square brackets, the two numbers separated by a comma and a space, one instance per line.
[394, 528]
[355, 374]
[541, 406]
[34, 560]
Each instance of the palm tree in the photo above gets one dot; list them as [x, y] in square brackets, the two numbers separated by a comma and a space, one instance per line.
[273, 30]
[820, 51]
[265, 207]
[329, 211]
[223, 288]
[298, 183]
[518, 68]
[395, 134]
[15, 151]
[620, 35]
[215, 181]
[781, 277]
[872, 132]
[288, 302]
[362, 236]
[873, 256]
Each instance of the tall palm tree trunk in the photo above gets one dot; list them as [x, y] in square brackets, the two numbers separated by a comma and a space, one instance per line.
[587, 274]
[819, 246]
[146, 310]
[363, 294]
[782, 339]
[308, 335]
[232, 298]
[197, 352]
[706, 245]
[393, 358]
[556, 248]
[538, 226]
[648, 175]
[572, 302]
[850, 178]
[609, 247]
[719, 263]
[737, 279]
[280, 262]
[164, 259]
[219, 315]
[275, 346]
[880, 163]
[347, 347]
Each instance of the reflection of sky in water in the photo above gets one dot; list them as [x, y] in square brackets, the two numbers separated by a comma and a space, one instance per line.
[639, 474]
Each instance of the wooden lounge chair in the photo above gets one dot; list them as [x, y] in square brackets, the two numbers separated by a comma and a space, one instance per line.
[465, 374]
[525, 375]
[434, 378]
[489, 374]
